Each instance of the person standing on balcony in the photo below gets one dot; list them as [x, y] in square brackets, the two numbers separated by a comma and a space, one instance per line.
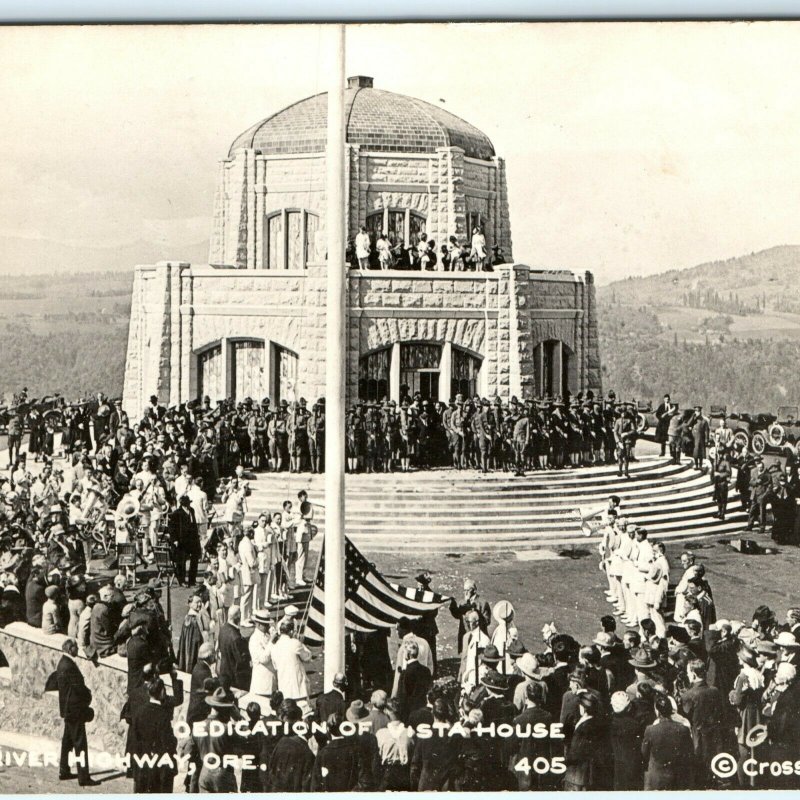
[384, 248]
[362, 248]
[478, 254]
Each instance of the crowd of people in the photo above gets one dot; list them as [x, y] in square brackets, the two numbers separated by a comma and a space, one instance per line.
[650, 705]
[377, 250]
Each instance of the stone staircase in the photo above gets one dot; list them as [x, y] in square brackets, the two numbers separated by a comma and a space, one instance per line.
[466, 512]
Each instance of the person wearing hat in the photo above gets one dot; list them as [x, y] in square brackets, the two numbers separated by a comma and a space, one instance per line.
[102, 627]
[667, 750]
[700, 435]
[746, 699]
[35, 595]
[624, 440]
[425, 627]
[52, 621]
[185, 535]
[316, 436]
[527, 666]
[723, 475]
[217, 774]
[263, 681]
[290, 614]
[588, 755]
[626, 731]
[483, 433]
[788, 648]
[369, 758]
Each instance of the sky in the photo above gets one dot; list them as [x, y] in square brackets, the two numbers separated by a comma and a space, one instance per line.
[631, 148]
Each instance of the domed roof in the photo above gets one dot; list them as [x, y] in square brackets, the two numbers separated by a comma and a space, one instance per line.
[376, 119]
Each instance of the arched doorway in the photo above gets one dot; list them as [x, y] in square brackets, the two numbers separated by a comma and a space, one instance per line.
[210, 378]
[248, 369]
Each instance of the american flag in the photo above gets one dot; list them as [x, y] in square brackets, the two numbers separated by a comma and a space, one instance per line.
[371, 602]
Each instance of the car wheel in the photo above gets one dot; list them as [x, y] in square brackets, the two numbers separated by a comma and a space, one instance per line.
[776, 434]
[759, 443]
[741, 439]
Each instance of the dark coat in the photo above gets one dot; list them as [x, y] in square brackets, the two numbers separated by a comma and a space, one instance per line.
[723, 665]
[557, 683]
[74, 697]
[588, 757]
[34, 600]
[336, 768]
[626, 743]
[784, 725]
[412, 688]
[460, 610]
[183, 530]
[198, 708]
[139, 654]
[13, 605]
[331, 702]
[668, 755]
[704, 707]
[291, 765]
[434, 763]
[233, 667]
[531, 747]
[422, 716]
[151, 733]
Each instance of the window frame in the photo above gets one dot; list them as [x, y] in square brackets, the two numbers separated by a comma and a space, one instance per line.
[283, 213]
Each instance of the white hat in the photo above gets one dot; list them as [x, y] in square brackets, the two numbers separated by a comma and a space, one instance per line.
[620, 701]
[786, 639]
[291, 611]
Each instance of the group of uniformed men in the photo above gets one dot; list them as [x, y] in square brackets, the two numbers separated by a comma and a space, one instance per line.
[544, 433]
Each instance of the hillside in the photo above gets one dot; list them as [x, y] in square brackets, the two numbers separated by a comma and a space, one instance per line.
[725, 332]
[24, 257]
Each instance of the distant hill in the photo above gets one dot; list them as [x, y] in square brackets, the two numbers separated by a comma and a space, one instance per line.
[724, 332]
[21, 257]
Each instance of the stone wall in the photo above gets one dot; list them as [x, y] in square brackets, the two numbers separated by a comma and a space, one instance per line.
[32, 656]
[180, 310]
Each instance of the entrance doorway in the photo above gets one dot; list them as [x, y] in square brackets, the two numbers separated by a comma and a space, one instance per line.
[419, 369]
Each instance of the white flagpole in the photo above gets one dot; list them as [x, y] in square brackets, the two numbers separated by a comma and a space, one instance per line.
[335, 356]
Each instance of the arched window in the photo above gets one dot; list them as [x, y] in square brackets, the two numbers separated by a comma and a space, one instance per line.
[290, 239]
[401, 225]
[373, 376]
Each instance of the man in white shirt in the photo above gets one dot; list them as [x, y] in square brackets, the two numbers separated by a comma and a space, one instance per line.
[475, 641]
[183, 482]
[644, 560]
[199, 500]
[264, 677]
[248, 573]
[288, 655]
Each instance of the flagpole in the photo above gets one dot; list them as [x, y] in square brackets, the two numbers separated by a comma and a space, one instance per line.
[335, 355]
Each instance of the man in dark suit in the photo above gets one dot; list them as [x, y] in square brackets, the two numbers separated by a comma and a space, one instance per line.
[292, 761]
[415, 680]
[667, 751]
[472, 602]
[184, 533]
[198, 708]
[139, 654]
[434, 763]
[233, 667]
[705, 708]
[530, 748]
[558, 680]
[333, 702]
[74, 706]
[424, 715]
[35, 598]
[588, 755]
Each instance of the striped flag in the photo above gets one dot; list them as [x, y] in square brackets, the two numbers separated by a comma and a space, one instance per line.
[371, 602]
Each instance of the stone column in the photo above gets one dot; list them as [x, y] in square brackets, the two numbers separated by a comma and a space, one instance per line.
[250, 172]
[445, 372]
[225, 366]
[503, 229]
[394, 373]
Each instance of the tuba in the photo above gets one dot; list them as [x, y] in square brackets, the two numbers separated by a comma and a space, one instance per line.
[128, 508]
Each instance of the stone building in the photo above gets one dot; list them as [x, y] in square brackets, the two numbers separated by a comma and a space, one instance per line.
[251, 322]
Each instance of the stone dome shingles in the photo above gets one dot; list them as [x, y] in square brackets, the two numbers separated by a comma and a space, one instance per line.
[376, 119]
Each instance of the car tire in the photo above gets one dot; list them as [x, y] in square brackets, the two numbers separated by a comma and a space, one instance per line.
[759, 443]
[741, 438]
[776, 434]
